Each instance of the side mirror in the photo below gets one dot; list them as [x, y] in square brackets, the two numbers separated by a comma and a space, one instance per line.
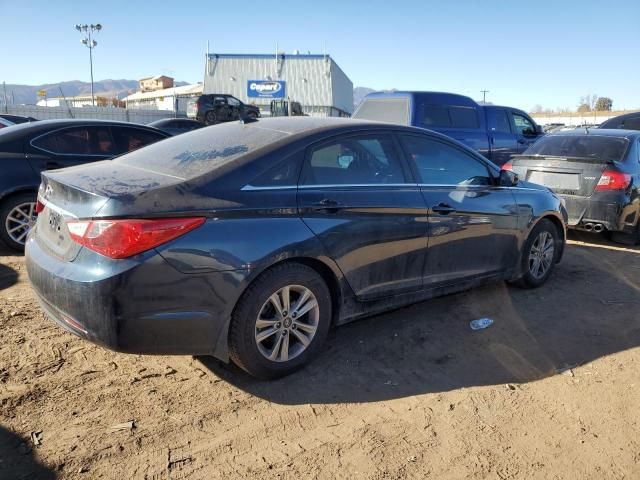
[539, 130]
[344, 160]
[507, 178]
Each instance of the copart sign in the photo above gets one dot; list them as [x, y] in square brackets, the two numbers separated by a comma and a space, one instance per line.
[265, 89]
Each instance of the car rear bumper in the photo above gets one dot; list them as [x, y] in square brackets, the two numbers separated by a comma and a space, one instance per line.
[142, 306]
[612, 210]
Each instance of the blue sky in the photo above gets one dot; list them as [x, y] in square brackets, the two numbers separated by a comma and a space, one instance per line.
[525, 53]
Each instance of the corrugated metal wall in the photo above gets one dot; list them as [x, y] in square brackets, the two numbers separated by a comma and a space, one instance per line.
[312, 80]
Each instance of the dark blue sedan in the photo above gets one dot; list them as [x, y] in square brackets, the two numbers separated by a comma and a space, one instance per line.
[248, 241]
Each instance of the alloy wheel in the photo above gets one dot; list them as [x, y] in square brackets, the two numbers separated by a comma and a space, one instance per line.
[19, 221]
[287, 323]
[541, 255]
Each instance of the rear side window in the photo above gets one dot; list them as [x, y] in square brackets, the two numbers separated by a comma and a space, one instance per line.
[130, 139]
[450, 116]
[500, 122]
[392, 110]
[283, 174]
[632, 123]
[440, 164]
[357, 160]
[592, 146]
[77, 141]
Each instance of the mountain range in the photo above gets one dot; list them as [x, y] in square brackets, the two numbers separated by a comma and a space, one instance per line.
[28, 94]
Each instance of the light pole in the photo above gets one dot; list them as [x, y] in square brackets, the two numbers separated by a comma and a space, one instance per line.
[484, 95]
[90, 43]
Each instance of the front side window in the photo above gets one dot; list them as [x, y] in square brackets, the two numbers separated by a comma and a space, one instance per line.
[523, 125]
[130, 139]
[631, 123]
[440, 164]
[234, 102]
[358, 160]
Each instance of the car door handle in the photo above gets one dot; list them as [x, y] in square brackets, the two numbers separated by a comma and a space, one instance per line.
[443, 209]
[522, 141]
[328, 205]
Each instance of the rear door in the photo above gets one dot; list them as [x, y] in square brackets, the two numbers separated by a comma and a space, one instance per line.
[357, 196]
[472, 222]
[70, 146]
[501, 137]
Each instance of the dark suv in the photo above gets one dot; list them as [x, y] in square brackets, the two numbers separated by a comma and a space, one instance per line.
[217, 108]
[30, 148]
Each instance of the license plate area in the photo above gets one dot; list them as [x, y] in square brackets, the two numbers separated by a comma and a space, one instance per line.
[565, 182]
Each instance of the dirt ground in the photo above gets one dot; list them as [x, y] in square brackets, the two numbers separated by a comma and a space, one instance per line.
[551, 390]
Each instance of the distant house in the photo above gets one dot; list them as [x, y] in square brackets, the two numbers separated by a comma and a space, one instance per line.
[79, 101]
[174, 98]
[158, 82]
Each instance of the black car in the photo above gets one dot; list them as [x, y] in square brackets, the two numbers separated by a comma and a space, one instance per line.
[176, 126]
[30, 148]
[248, 240]
[16, 119]
[628, 121]
[597, 174]
[217, 108]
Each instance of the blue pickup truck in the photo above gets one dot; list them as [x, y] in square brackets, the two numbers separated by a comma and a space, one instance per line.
[496, 132]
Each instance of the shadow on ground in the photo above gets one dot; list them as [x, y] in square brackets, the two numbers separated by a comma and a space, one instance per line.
[585, 312]
[8, 276]
[17, 459]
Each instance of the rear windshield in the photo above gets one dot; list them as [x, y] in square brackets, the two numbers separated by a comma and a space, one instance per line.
[583, 146]
[201, 151]
[391, 110]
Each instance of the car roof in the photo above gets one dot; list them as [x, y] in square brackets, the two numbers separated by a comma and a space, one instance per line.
[41, 126]
[601, 132]
[163, 121]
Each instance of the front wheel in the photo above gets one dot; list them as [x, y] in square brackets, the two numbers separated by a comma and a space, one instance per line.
[281, 321]
[539, 254]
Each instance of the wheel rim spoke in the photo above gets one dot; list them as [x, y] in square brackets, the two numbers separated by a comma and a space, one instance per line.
[19, 221]
[287, 323]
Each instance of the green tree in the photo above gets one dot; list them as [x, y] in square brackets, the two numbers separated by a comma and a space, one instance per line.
[604, 104]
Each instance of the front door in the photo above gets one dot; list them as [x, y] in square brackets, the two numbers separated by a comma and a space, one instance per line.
[356, 195]
[525, 131]
[472, 221]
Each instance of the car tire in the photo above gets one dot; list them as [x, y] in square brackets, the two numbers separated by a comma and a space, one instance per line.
[210, 118]
[538, 260]
[258, 332]
[14, 210]
[252, 115]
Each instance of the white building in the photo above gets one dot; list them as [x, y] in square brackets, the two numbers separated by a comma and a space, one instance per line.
[316, 81]
[80, 101]
[164, 99]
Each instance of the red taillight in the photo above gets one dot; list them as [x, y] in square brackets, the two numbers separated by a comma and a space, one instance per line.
[39, 206]
[612, 180]
[125, 238]
[507, 166]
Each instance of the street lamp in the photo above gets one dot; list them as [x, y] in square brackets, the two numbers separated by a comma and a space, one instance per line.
[89, 43]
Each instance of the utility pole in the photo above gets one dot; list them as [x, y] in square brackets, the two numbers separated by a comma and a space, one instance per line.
[91, 44]
[484, 95]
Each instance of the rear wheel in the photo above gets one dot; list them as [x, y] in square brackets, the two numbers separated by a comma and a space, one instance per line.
[281, 321]
[210, 118]
[539, 254]
[17, 217]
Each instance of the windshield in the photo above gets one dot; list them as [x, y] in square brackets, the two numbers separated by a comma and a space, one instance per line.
[582, 146]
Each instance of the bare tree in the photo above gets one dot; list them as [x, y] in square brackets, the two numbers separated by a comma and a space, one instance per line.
[537, 108]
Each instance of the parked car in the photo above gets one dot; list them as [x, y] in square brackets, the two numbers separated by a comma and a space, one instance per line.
[596, 172]
[496, 132]
[246, 241]
[5, 123]
[30, 148]
[217, 108]
[17, 118]
[628, 121]
[176, 126]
